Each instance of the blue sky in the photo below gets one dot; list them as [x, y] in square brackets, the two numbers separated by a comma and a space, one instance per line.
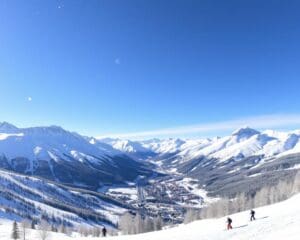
[113, 67]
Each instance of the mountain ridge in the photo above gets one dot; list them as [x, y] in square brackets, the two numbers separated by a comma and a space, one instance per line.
[245, 141]
[57, 154]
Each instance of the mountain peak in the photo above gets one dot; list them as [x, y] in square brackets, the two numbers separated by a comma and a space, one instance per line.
[6, 127]
[245, 132]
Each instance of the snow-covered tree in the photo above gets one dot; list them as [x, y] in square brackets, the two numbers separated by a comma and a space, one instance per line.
[239, 204]
[126, 223]
[32, 224]
[263, 197]
[44, 230]
[223, 207]
[15, 231]
[296, 183]
[158, 223]
[96, 232]
[138, 224]
[191, 215]
[25, 224]
[149, 224]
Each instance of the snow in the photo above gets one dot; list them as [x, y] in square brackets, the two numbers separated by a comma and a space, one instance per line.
[274, 222]
[129, 192]
[54, 143]
[191, 185]
[163, 146]
[243, 142]
[45, 143]
[123, 145]
[4, 136]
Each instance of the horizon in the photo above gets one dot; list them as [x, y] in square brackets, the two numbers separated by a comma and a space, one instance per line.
[280, 123]
[116, 68]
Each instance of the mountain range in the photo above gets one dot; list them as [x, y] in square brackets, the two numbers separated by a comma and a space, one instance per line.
[243, 142]
[224, 166]
[166, 174]
[66, 157]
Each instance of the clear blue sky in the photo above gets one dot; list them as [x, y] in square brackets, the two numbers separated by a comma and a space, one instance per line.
[111, 66]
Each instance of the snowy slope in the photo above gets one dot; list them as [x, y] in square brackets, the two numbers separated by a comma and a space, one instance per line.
[164, 146]
[66, 157]
[29, 197]
[124, 145]
[242, 161]
[274, 222]
[277, 221]
[243, 142]
[46, 142]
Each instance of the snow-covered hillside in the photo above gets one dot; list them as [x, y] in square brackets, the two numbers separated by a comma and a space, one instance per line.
[241, 162]
[278, 221]
[175, 174]
[274, 222]
[242, 143]
[66, 157]
[33, 198]
[125, 145]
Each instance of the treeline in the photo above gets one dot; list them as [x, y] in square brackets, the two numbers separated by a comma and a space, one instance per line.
[44, 230]
[264, 196]
[135, 224]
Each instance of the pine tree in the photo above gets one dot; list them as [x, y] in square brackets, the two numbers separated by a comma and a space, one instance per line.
[15, 231]
[32, 224]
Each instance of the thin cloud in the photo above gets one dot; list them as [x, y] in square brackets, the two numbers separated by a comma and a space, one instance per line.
[29, 99]
[260, 122]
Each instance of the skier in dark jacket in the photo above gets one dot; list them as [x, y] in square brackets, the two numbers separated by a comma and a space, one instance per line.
[104, 231]
[252, 214]
[229, 222]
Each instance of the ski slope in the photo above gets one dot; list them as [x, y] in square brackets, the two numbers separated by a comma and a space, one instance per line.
[277, 221]
[273, 222]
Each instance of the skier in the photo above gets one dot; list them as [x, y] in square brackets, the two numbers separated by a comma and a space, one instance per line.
[252, 213]
[104, 231]
[229, 221]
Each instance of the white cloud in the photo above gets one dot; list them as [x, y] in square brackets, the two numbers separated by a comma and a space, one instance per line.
[29, 99]
[259, 122]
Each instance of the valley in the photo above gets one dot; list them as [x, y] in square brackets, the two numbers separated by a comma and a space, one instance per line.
[61, 171]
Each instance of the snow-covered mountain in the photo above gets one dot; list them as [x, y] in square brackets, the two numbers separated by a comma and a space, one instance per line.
[65, 157]
[133, 149]
[167, 175]
[246, 142]
[241, 162]
[242, 143]
[125, 145]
